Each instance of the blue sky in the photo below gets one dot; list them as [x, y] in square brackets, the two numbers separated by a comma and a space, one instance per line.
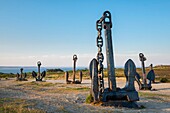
[53, 30]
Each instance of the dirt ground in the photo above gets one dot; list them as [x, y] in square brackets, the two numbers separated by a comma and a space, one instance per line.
[55, 96]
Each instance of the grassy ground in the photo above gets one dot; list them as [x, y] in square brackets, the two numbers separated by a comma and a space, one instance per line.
[40, 97]
[162, 72]
[15, 105]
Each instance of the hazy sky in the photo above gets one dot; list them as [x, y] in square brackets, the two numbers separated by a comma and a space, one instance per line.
[53, 30]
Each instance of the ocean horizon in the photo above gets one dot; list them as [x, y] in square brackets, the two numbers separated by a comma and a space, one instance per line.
[16, 69]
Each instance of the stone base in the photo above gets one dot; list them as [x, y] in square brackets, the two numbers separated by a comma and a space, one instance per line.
[145, 87]
[120, 95]
[75, 82]
[121, 104]
[22, 79]
[40, 80]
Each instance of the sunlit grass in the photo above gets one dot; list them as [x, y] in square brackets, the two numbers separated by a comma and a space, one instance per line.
[156, 96]
[160, 71]
[37, 86]
[14, 105]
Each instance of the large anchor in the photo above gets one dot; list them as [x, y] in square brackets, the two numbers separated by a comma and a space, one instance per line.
[22, 76]
[98, 92]
[150, 76]
[40, 75]
[74, 73]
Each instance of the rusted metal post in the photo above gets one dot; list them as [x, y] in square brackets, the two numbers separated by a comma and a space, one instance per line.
[142, 59]
[109, 51]
[74, 66]
[39, 73]
[80, 79]
[66, 76]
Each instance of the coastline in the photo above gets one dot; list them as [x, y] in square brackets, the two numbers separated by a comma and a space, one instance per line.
[16, 69]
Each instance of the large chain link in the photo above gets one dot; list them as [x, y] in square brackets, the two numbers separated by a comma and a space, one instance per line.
[100, 56]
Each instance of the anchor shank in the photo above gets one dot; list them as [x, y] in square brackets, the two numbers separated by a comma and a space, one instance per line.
[21, 72]
[74, 69]
[39, 72]
[144, 73]
[110, 58]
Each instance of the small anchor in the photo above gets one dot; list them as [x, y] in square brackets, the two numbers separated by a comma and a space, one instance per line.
[150, 76]
[74, 73]
[40, 75]
[22, 76]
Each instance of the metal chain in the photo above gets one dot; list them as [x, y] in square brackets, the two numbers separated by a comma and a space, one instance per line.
[100, 56]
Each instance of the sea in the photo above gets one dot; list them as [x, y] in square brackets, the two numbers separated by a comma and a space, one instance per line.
[16, 69]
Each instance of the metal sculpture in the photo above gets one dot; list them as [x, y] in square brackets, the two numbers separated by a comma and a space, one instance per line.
[150, 76]
[22, 76]
[98, 92]
[74, 73]
[40, 75]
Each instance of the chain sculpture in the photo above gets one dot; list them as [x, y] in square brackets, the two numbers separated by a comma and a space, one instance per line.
[22, 76]
[40, 75]
[98, 92]
[74, 73]
[150, 76]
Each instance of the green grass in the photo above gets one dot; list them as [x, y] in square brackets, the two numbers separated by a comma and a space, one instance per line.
[148, 94]
[79, 89]
[54, 75]
[14, 105]
[160, 71]
[164, 80]
[7, 75]
[65, 89]
[161, 97]
[89, 99]
[35, 85]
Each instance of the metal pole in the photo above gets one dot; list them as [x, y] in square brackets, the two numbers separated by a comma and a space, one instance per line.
[39, 72]
[80, 79]
[66, 76]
